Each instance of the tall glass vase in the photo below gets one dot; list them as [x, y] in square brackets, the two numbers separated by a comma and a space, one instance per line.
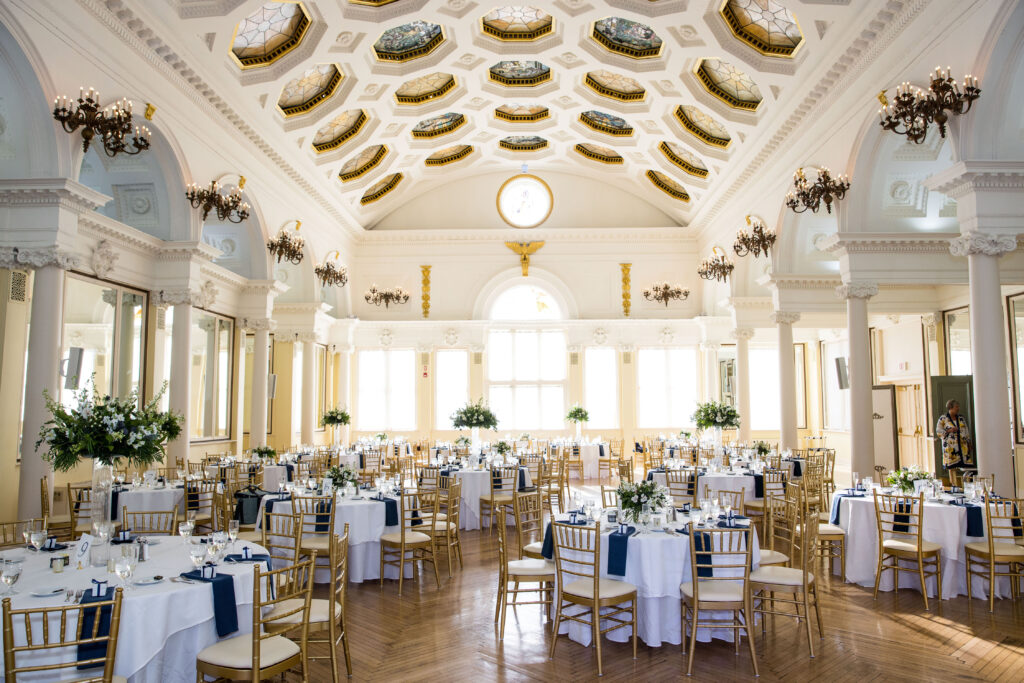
[716, 438]
[579, 431]
[102, 484]
[474, 438]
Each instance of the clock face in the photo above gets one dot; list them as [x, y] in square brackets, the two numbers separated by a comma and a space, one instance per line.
[525, 201]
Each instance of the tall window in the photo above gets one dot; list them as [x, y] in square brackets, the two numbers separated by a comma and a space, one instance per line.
[451, 384]
[297, 353]
[212, 346]
[601, 387]
[836, 408]
[764, 384]
[958, 341]
[666, 387]
[526, 375]
[387, 390]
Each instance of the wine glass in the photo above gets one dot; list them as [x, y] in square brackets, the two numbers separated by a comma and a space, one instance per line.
[197, 553]
[123, 571]
[856, 479]
[10, 574]
[37, 539]
[185, 531]
[728, 509]
[233, 532]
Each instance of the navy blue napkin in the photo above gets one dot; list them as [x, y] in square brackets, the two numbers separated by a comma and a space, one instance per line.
[94, 650]
[600, 450]
[522, 479]
[224, 606]
[323, 517]
[702, 541]
[290, 469]
[361, 465]
[836, 507]
[114, 510]
[191, 496]
[548, 549]
[257, 557]
[901, 523]
[117, 541]
[758, 486]
[268, 506]
[390, 511]
[55, 547]
[618, 548]
[975, 522]
[798, 471]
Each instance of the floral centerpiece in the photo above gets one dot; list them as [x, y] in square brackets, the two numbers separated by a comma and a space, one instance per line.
[762, 448]
[381, 437]
[634, 495]
[342, 475]
[904, 479]
[683, 434]
[503, 448]
[462, 441]
[474, 415]
[578, 415]
[716, 417]
[525, 436]
[264, 452]
[335, 418]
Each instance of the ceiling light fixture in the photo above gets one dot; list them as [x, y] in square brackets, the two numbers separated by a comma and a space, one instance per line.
[717, 267]
[389, 296]
[330, 274]
[230, 206]
[807, 195]
[112, 124]
[666, 293]
[288, 246]
[913, 109]
[758, 241]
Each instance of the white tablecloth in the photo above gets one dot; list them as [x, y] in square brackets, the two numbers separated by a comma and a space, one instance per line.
[475, 485]
[163, 627]
[943, 524]
[591, 455]
[274, 476]
[718, 482]
[150, 500]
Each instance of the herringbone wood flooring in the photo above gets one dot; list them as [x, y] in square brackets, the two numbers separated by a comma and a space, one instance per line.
[449, 634]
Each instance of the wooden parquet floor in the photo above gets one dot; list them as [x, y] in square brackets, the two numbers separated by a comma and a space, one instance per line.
[449, 634]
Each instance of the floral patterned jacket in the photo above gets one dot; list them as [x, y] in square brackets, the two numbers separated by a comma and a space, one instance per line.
[956, 448]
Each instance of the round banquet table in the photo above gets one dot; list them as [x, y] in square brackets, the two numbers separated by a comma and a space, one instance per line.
[476, 484]
[943, 524]
[718, 482]
[141, 499]
[274, 476]
[591, 454]
[656, 563]
[163, 626]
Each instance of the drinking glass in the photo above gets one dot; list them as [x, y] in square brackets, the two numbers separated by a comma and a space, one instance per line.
[37, 539]
[123, 571]
[197, 553]
[10, 574]
[728, 509]
[185, 531]
[233, 532]
[855, 480]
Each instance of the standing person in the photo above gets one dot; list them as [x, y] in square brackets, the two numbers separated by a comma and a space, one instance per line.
[956, 438]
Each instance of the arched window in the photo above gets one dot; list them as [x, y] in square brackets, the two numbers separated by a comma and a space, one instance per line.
[525, 302]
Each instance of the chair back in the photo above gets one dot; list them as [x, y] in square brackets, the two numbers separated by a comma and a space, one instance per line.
[79, 504]
[774, 482]
[900, 517]
[409, 513]
[199, 498]
[626, 469]
[44, 496]
[45, 630]
[316, 515]
[428, 478]
[282, 534]
[719, 556]
[339, 575]
[1004, 521]
[783, 513]
[532, 464]
[277, 597]
[453, 502]
[805, 544]
[609, 497]
[682, 486]
[11, 532]
[504, 479]
[733, 498]
[529, 512]
[151, 523]
[577, 553]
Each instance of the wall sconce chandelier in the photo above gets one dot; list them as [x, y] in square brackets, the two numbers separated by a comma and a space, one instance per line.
[718, 267]
[230, 206]
[389, 296]
[111, 124]
[287, 246]
[330, 274]
[913, 109]
[807, 195]
[758, 241]
[664, 292]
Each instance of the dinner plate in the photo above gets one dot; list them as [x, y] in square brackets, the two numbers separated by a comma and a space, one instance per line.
[148, 580]
[47, 592]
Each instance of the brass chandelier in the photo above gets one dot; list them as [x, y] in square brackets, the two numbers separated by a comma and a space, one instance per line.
[807, 195]
[664, 292]
[717, 267]
[330, 274]
[389, 296]
[287, 246]
[758, 241]
[229, 207]
[111, 124]
[913, 109]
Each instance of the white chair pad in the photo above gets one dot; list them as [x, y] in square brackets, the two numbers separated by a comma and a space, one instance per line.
[410, 537]
[499, 498]
[319, 611]
[780, 576]
[536, 547]
[1002, 549]
[715, 591]
[770, 557]
[897, 545]
[607, 588]
[316, 542]
[532, 567]
[236, 653]
[830, 530]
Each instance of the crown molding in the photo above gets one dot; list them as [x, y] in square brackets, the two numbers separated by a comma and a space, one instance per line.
[965, 177]
[187, 251]
[674, 235]
[885, 243]
[61, 192]
[37, 257]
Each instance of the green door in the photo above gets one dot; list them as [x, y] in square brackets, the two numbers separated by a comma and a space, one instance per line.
[961, 388]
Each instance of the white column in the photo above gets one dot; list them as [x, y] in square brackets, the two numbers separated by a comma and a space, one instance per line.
[181, 378]
[260, 361]
[862, 427]
[343, 388]
[308, 391]
[710, 353]
[159, 349]
[992, 428]
[787, 380]
[42, 372]
[742, 336]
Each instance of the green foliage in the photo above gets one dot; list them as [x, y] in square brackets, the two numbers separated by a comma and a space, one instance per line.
[474, 415]
[578, 414]
[342, 476]
[634, 495]
[381, 436]
[462, 442]
[904, 479]
[503, 447]
[264, 452]
[762, 447]
[335, 416]
[713, 414]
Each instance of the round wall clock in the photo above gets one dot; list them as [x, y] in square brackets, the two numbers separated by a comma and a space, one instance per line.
[525, 201]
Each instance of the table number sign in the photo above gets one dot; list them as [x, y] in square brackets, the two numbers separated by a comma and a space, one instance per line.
[82, 550]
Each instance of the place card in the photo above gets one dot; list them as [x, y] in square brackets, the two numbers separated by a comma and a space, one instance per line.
[82, 550]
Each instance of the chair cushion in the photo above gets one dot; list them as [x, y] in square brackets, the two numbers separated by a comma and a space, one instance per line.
[782, 576]
[755, 504]
[1002, 549]
[900, 546]
[830, 530]
[532, 568]
[441, 526]
[607, 588]
[236, 653]
[769, 557]
[536, 547]
[316, 542]
[427, 516]
[715, 591]
[410, 537]
[319, 611]
[824, 517]
[251, 536]
[499, 498]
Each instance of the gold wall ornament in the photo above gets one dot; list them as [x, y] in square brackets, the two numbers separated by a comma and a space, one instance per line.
[425, 296]
[150, 110]
[627, 301]
[524, 249]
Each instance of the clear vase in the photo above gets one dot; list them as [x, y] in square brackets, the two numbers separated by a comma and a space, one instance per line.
[716, 438]
[102, 484]
[579, 431]
[474, 437]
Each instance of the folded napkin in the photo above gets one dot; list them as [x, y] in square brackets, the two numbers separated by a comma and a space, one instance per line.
[798, 470]
[51, 545]
[390, 510]
[618, 548]
[88, 651]
[224, 606]
[600, 450]
[702, 541]
[253, 558]
[975, 522]
[548, 548]
[758, 486]
[290, 468]
[114, 509]
[837, 507]
[323, 517]
[901, 523]
[268, 505]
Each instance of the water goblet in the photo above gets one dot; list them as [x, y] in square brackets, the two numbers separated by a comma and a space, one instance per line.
[197, 554]
[10, 574]
[855, 480]
[185, 531]
[37, 539]
[123, 571]
[233, 532]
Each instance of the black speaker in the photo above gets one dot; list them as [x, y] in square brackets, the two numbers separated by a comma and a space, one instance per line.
[841, 373]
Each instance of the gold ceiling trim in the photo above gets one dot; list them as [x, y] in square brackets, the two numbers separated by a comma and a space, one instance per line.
[425, 97]
[423, 51]
[667, 189]
[597, 157]
[283, 49]
[614, 94]
[682, 163]
[618, 132]
[371, 3]
[615, 48]
[451, 158]
[365, 168]
[732, 21]
[461, 121]
[391, 184]
[516, 36]
[520, 118]
[522, 148]
[341, 139]
[520, 82]
[314, 102]
[699, 132]
[715, 91]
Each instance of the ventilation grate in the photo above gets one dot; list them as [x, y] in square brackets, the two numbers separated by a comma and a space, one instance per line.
[478, 358]
[574, 358]
[627, 358]
[19, 286]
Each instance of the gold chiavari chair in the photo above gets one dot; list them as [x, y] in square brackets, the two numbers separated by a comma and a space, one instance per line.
[606, 465]
[626, 469]
[556, 488]
[11, 533]
[446, 531]
[733, 498]
[1003, 545]
[151, 522]
[652, 461]
[988, 482]
[682, 486]
[574, 462]
[80, 507]
[197, 469]
[504, 481]
[829, 477]
[782, 527]
[580, 585]
[282, 533]
[408, 544]
[427, 479]
[956, 477]
[537, 574]
[900, 538]
[774, 461]
[532, 464]
[371, 468]
[832, 545]
[766, 583]
[42, 641]
[813, 481]
[59, 525]
[529, 513]
[720, 567]
[279, 596]
[609, 497]
[199, 502]
[316, 527]
[774, 485]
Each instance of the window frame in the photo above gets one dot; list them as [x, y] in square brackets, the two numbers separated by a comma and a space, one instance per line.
[513, 383]
[947, 338]
[232, 375]
[387, 351]
[437, 382]
[616, 384]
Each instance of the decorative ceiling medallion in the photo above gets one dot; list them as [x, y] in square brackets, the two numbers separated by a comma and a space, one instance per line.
[523, 143]
[517, 23]
[703, 126]
[729, 84]
[606, 123]
[521, 112]
[615, 86]
[339, 129]
[627, 37]
[668, 185]
[520, 73]
[371, 3]
[448, 155]
[381, 188]
[269, 33]
[765, 25]
[424, 88]
[684, 159]
[362, 162]
[305, 93]
[438, 125]
[598, 153]
[408, 41]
